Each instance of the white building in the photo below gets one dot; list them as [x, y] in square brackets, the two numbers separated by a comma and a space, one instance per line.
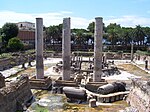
[26, 26]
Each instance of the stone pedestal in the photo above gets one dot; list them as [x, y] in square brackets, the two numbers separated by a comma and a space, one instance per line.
[92, 103]
[98, 49]
[39, 48]
[44, 83]
[66, 52]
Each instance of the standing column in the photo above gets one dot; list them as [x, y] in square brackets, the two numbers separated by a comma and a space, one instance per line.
[39, 48]
[66, 49]
[132, 51]
[98, 49]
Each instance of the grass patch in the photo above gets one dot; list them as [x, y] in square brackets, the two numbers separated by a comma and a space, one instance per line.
[39, 93]
[134, 70]
[39, 108]
[119, 105]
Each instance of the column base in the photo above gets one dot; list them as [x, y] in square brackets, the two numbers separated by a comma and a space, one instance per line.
[44, 84]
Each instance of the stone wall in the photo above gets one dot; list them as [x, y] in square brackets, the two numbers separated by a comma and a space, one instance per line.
[16, 60]
[20, 58]
[139, 96]
[14, 96]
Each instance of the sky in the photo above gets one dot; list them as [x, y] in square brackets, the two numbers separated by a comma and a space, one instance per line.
[127, 13]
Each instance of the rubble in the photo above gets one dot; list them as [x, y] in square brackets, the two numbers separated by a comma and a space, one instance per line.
[139, 96]
[15, 95]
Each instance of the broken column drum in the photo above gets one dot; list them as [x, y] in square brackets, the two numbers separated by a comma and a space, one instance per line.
[75, 93]
[98, 49]
[66, 49]
[112, 88]
[39, 48]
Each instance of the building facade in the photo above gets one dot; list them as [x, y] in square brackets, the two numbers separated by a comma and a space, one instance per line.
[27, 36]
[26, 33]
[26, 26]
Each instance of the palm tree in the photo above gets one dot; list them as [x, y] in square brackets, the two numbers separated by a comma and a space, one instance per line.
[113, 31]
[139, 35]
[147, 33]
[54, 34]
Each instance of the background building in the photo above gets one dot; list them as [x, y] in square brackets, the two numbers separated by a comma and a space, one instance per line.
[26, 26]
[27, 33]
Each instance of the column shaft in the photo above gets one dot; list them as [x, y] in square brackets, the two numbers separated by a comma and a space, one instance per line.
[66, 48]
[98, 49]
[39, 48]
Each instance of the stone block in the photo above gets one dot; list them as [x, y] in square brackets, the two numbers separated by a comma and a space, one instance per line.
[92, 103]
[45, 83]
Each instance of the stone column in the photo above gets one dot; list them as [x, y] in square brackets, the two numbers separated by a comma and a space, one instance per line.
[98, 49]
[132, 54]
[66, 48]
[39, 48]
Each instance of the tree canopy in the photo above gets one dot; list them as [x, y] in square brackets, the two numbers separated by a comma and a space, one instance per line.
[113, 34]
[9, 30]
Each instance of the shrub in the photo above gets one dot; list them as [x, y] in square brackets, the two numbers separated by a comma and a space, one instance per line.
[15, 44]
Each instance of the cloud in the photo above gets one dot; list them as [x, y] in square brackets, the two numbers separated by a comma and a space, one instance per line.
[51, 18]
[55, 18]
[66, 12]
[129, 21]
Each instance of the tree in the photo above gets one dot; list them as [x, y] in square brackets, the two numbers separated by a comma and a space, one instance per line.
[79, 37]
[15, 44]
[126, 36]
[139, 35]
[9, 30]
[147, 33]
[114, 32]
[54, 33]
[0, 31]
[91, 27]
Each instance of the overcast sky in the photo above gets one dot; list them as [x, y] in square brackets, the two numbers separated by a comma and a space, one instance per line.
[128, 13]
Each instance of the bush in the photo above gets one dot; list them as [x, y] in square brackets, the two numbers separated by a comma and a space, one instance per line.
[15, 44]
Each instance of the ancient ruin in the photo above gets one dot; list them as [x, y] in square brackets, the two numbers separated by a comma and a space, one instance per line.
[39, 81]
[66, 49]
[39, 49]
[139, 95]
[85, 84]
[98, 50]
[80, 77]
[15, 95]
